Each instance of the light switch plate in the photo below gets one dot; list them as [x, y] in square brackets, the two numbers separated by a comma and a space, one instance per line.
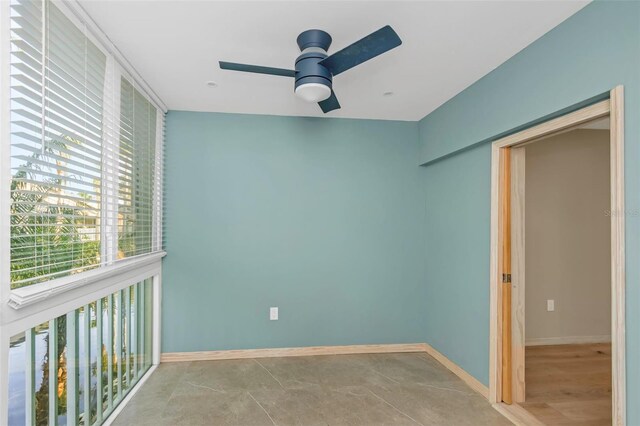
[273, 314]
[551, 305]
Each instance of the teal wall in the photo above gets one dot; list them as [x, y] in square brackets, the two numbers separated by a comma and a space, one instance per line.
[457, 259]
[320, 217]
[332, 221]
[590, 53]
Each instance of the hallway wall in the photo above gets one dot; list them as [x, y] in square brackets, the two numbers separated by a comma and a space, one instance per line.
[568, 238]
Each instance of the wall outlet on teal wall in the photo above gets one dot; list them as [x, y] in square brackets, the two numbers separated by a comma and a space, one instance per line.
[273, 314]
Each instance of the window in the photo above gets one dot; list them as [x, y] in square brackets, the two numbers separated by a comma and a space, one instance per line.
[84, 198]
[56, 126]
[86, 151]
[136, 172]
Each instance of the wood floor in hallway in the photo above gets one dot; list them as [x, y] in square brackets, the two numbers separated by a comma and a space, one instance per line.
[569, 384]
[373, 389]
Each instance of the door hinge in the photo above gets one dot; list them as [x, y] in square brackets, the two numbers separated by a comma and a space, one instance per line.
[506, 278]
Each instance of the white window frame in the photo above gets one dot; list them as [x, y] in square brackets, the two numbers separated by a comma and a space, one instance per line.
[117, 66]
[23, 308]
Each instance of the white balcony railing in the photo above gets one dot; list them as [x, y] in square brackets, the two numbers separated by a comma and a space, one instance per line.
[77, 368]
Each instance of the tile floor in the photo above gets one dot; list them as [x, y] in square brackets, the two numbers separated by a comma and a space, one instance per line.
[372, 389]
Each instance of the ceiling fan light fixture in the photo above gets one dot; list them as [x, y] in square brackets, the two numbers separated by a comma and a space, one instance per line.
[314, 69]
[313, 92]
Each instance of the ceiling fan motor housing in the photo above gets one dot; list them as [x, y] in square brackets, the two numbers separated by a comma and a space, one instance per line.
[314, 38]
[314, 45]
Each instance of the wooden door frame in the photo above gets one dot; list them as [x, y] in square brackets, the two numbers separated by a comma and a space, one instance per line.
[614, 108]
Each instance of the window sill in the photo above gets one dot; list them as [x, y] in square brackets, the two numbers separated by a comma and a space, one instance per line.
[21, 297]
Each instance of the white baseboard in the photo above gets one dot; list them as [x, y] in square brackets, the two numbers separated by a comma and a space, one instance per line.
[283, 352]
[567, 340]
[471, 381]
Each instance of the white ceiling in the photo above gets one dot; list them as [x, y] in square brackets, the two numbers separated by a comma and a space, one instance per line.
[447, 45]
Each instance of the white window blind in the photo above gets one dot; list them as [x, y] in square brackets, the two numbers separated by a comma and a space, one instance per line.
[136, 172]
[56, 119]
[84, 151]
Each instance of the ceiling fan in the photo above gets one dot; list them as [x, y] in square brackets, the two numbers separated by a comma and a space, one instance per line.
[314, 69]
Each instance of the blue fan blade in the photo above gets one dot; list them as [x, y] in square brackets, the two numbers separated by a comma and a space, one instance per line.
[361, 51]
[257, 69]
[330, 103]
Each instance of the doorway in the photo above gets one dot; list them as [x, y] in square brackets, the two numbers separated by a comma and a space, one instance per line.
[508, 350]
[567, 276]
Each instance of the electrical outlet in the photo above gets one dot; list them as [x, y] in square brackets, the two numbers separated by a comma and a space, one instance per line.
[551, 305]
[273, 314]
